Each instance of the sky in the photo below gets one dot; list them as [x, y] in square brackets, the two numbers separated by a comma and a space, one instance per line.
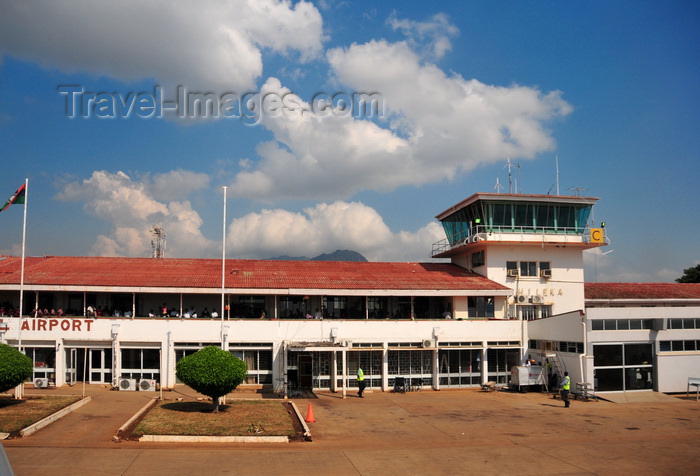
[100, 107]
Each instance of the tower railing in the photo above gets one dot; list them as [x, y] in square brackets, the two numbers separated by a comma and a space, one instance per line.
[493, 233]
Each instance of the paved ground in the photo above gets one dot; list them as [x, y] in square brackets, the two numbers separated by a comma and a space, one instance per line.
[447, 432]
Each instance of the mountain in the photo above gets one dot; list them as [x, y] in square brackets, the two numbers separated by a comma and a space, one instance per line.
[337, 255]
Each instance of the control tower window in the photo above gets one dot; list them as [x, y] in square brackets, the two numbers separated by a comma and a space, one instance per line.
[528, 268]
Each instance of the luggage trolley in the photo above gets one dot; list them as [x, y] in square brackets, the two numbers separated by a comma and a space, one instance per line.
[584, 391]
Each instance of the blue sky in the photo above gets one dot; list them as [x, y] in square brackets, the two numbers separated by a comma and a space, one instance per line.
[611, 88]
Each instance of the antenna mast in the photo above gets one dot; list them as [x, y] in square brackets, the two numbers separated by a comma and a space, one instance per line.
[556, 165]
[158, 242]
[510, 177]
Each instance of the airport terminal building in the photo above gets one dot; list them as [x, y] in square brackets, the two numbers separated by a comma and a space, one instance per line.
[507, 285]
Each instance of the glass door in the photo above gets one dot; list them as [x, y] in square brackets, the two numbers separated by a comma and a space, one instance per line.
[71, 366]
[100, 365]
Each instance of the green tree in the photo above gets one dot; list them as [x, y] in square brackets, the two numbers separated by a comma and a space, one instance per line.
[690, 275]
[15, 367]
[212, 372]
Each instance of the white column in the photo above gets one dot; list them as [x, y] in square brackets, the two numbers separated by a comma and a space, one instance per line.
[334, 372]
[345, 373]
[484, 364]
[60, 367]
[385, 366]
[436, 370]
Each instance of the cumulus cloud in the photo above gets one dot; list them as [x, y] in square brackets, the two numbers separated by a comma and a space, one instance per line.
[432, 37]
[435, 127]
[133, 209]
[209, 45]
[325, 228]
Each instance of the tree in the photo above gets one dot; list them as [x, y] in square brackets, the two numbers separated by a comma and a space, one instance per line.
[212, 372]
[15, 367]
[690, 275]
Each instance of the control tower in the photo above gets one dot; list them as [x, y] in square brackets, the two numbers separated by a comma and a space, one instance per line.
[531, 243]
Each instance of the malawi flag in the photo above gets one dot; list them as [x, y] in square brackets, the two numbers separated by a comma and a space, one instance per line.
[17, 198]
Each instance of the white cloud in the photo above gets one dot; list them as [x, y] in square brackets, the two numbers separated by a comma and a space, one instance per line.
[436, 126]
[213, 45]
[325, 228]
[132, 209]
[432, 36]
[177, 183]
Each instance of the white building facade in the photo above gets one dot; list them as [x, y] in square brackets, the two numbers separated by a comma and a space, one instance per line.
[513, 290]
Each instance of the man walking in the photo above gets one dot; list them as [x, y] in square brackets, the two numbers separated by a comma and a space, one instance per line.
[565, 386]
[360, 382]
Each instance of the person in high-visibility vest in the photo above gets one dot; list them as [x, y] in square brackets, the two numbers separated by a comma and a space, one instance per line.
[565, 387]
[360, 382]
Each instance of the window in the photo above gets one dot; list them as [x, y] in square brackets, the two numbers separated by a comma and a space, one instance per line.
[679, 345]
[528, 268]
[480, 306]
[478, 259]
[529, 313]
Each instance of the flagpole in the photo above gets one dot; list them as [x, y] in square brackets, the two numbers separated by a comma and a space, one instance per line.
[20, 388]
[223, 269]
[21, 275]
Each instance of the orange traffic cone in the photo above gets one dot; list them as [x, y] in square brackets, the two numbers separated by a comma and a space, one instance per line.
[310, 415]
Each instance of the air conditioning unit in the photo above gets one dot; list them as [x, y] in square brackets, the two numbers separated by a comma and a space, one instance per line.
[513, 273]
[41, 383]
[546, 273]
[128, 384]
[535, 299]
[147, 385]
[429, 343]
[521, 299]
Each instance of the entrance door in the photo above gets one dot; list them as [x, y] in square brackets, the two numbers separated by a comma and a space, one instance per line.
[71, 366]
[305, 371]
[100, 366]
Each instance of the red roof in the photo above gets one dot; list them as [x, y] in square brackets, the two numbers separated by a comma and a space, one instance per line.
[252, 274]
[642, 291]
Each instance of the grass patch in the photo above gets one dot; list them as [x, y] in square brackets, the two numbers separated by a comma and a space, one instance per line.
[240, 418]
[18, 414]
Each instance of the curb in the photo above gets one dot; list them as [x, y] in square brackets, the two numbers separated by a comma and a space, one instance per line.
[136, 416]
[307, 432]
[52, 418]
[214, 439]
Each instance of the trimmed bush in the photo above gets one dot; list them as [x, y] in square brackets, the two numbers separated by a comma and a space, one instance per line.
[212, 372]
[15, 367]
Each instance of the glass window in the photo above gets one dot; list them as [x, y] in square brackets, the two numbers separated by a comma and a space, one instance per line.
[635, 324]
[638, 354]
[688, 323]
[675, 323]
[597, 325]
[623, 324]
[610, 324]
[478, 259]
[665, 346]
[607, 355]
[609, 379]
[528, 268]
[689, 345]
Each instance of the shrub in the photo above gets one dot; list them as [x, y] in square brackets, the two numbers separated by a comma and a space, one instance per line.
[212, 372]
[15, 367]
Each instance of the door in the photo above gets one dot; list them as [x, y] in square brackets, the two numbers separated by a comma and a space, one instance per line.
[71, 366]
[100, 366]
[305, 371]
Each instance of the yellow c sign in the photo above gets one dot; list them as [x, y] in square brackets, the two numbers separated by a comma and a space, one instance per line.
[597, 235]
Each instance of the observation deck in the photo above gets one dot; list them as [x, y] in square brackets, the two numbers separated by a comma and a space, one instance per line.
[547, 220]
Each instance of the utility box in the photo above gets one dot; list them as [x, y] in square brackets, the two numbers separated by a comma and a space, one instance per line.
[521, 377]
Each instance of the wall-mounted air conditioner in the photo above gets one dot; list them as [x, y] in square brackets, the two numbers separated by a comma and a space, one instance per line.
[128, 384]
[147, 385]
[546, 273]
[41, 383]
[521, 299]
[535, 299]
[429, 343]
[513, 273]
